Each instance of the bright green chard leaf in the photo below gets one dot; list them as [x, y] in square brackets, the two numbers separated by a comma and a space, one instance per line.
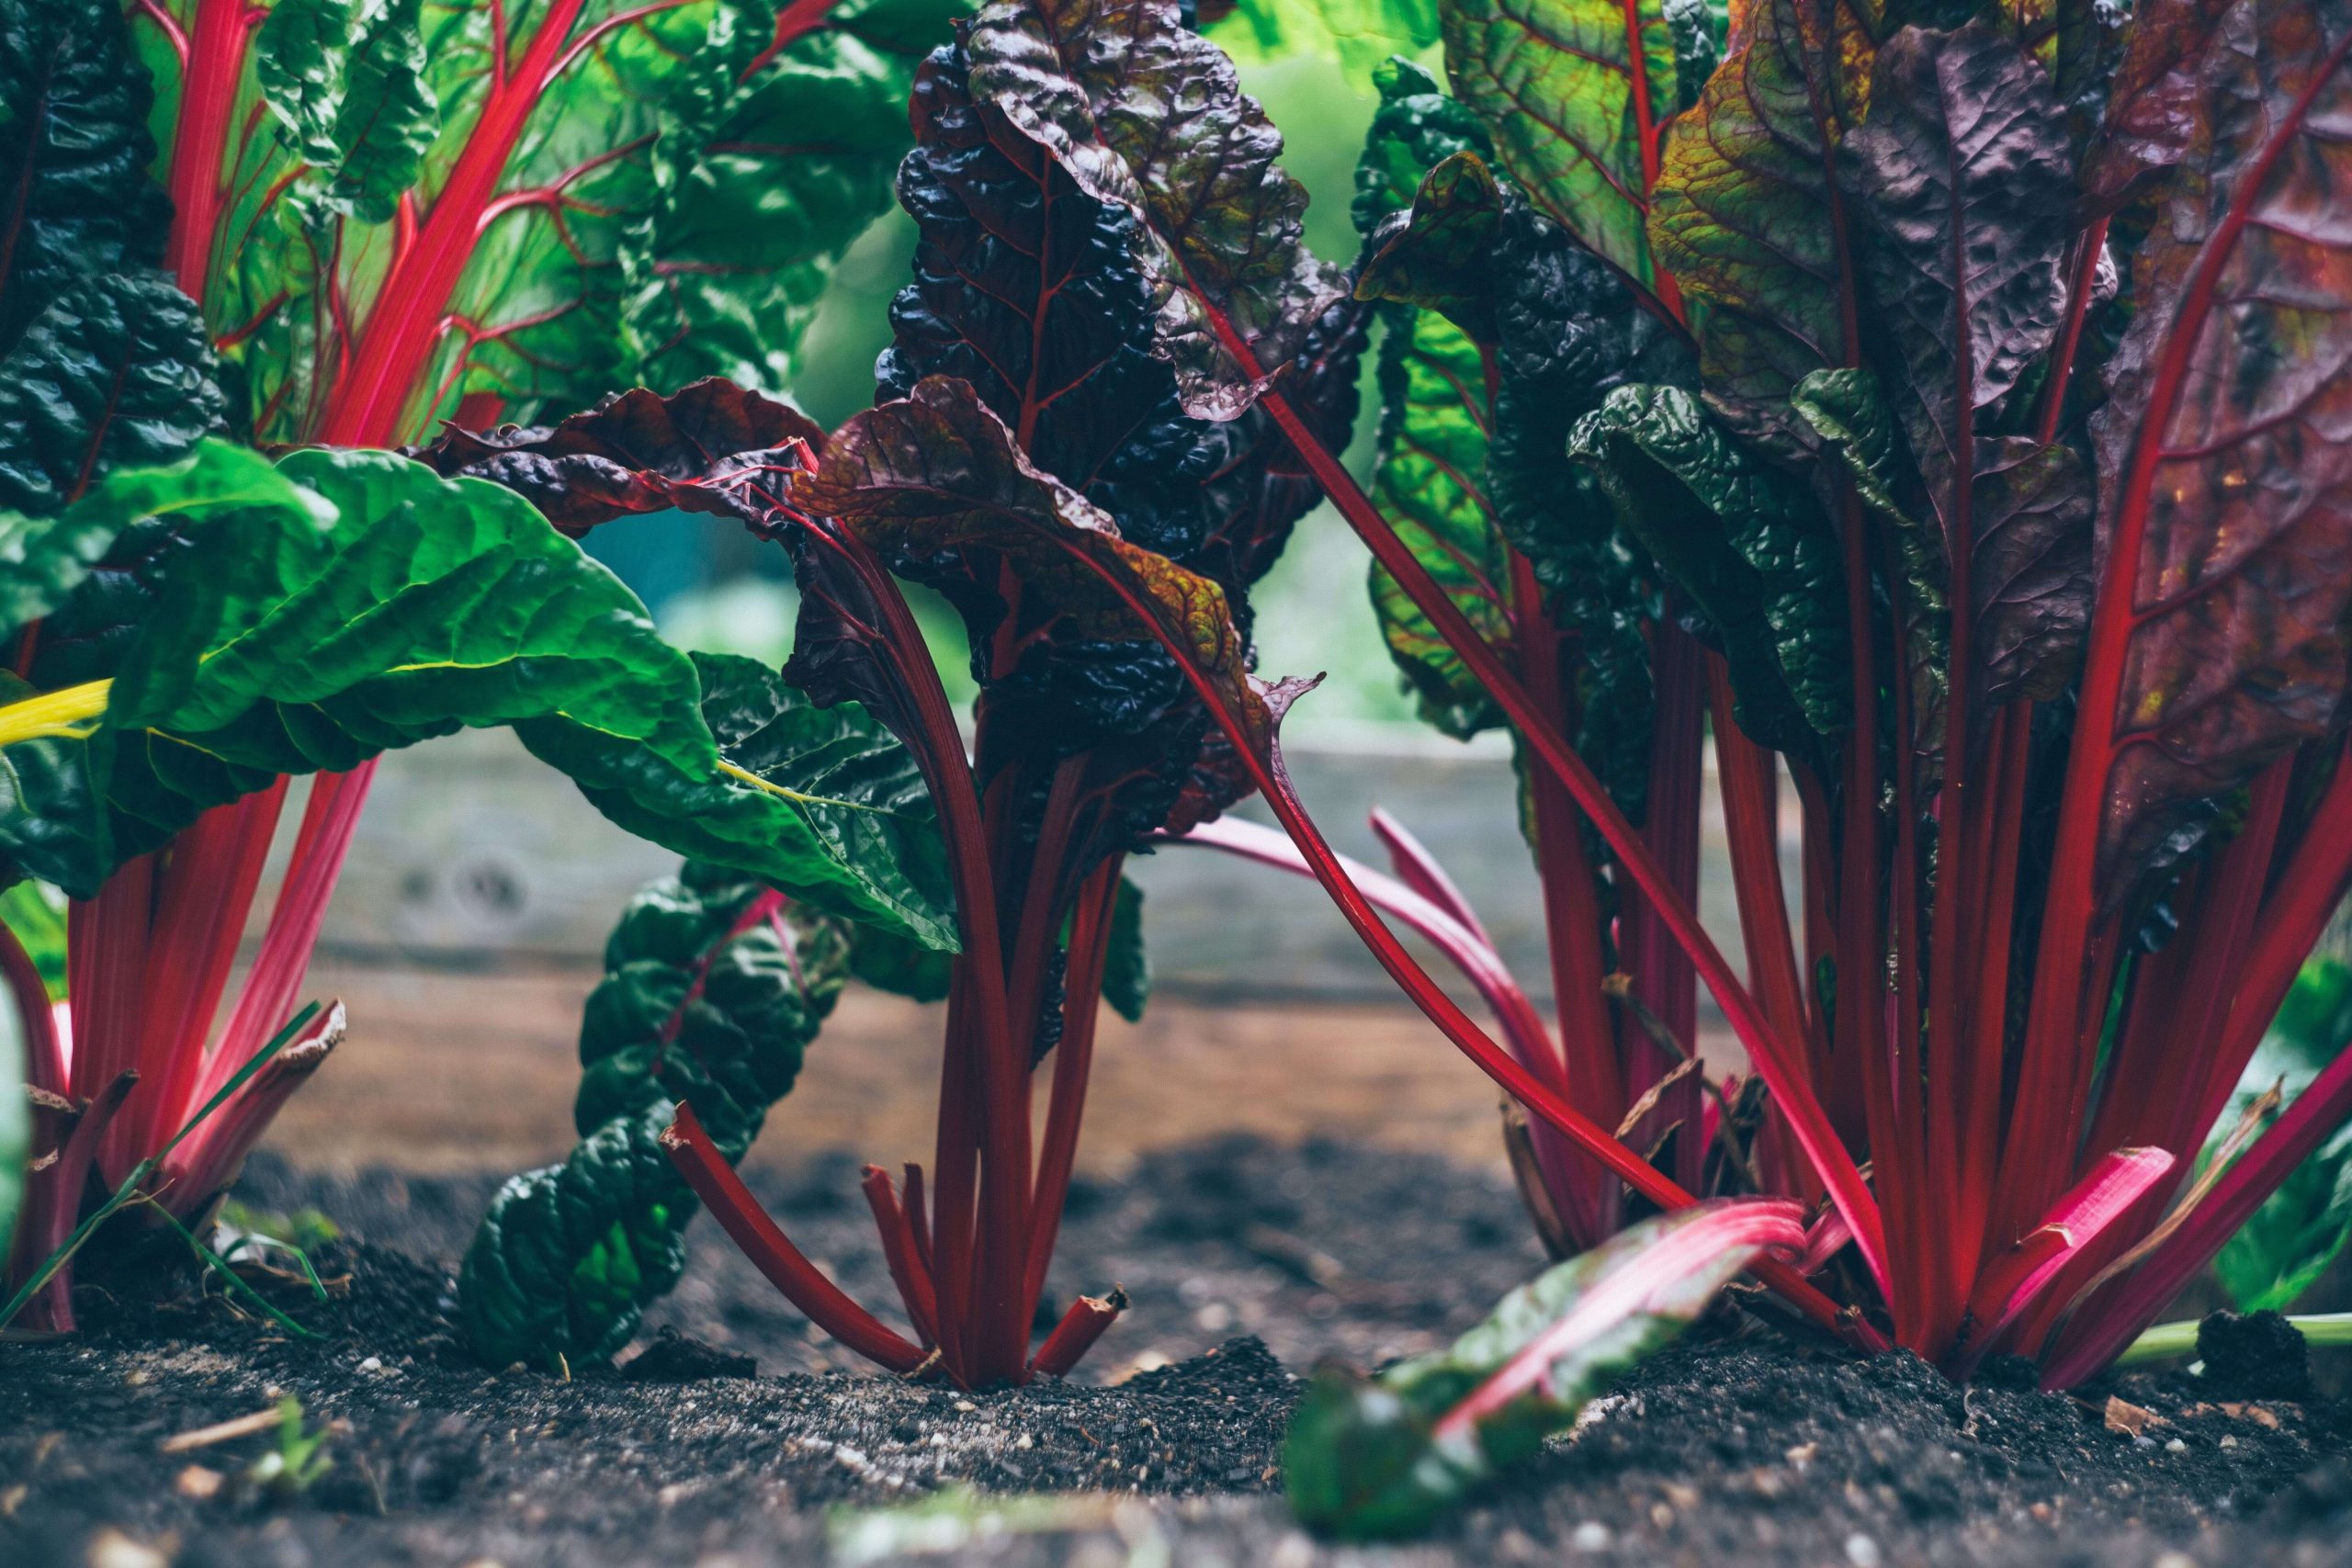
[388, 116]
[751, 212]
[713, 990]
[1431, 270]
[353, 602]
[1385, 1456]
[1574, 93]
[531, 202]
[821, 802]
[1748, 547]
[300, 55]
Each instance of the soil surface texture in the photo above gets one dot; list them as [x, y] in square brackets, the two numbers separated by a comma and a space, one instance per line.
[736, 1437]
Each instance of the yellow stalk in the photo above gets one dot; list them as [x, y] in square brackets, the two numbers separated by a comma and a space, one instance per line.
[70, 711]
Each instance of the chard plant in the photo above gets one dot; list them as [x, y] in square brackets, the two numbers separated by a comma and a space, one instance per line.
[1981, 481]
[319, 222]
[1026, 407]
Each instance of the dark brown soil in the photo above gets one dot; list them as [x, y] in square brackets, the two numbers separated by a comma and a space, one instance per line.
[1244, 1259]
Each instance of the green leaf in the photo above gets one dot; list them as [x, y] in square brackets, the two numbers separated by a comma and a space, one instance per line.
[300, 56]
[75, 153]
[1569, 89]
[752, 211]
[388, 117]
[2287, 1243]
[713, 990]
[114, 372]
[1748, 547]
[1126, 970]
[833, 811]
[35, 915]
[888, 962]
[1359, 34]
[1415, 128]
[1442, 257]
[1379, 1457]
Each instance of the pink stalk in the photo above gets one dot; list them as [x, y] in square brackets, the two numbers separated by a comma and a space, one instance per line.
[2013, 1281]
[1468, 947]
[1646, 1282]
[204, 889]
[2093, 1337]
[329, 820]
[1419, 870]
[209, 1159]
[53, 1207]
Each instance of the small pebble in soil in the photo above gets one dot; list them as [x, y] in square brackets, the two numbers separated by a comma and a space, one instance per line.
[1590, 1536]
[1862, 1550]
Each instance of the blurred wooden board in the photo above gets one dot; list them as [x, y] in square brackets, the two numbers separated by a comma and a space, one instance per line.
[449, 1071]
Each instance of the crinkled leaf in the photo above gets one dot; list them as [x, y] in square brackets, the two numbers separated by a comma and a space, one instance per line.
[353, 602]
[845, 823]
[1147, 114]
[114, 373]
[708, 997]
[635, 453]
[1959, 188]
[1749, 547]
[1569, 89]
[1415, 128]
[936, 474]
[2031, 585]
[73, 155]
[300, 55]
[388, 116]
[1440, 256]
[1386, 1455]
[1746, 216]
[2223, 452]
[2288, 1242]
[2149, 116]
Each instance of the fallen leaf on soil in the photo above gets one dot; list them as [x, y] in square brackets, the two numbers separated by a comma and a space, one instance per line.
[2258, 1415]
[2127, 1419]
[198, 1483]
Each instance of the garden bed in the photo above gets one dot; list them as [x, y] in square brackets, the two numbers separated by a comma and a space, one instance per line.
[1245, 1262]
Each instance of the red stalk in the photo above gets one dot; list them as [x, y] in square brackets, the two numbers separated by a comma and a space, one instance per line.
[2098, 1333]
[1419, 870]
[209, 90]
[52, 1206]
[822, 1301]
[2088, 245]
[907, 1271]
[1662, 977]
[1076, 1333]
[1772, 1056]
[368, 406]
[2058, 1043]
[207, 1162]
[1089, 937]
[106, 949]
